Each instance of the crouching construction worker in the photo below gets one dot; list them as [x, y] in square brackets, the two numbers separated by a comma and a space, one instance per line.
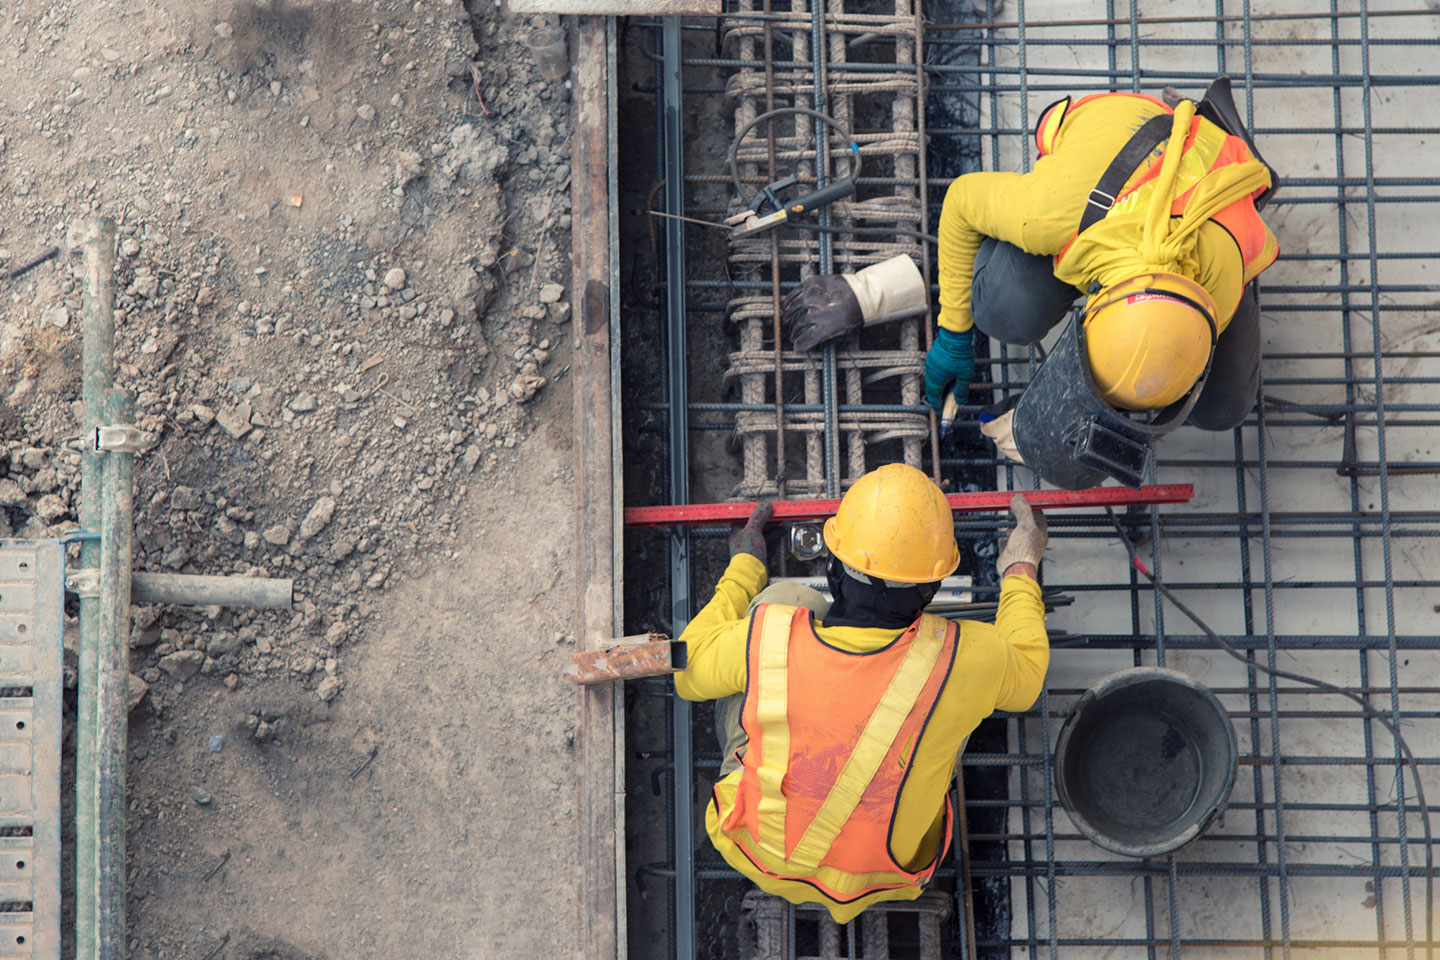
[842, 723]
[1149, 210]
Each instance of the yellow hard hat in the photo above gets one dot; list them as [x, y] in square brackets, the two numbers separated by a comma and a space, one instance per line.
[895, 524]
[1148, 339]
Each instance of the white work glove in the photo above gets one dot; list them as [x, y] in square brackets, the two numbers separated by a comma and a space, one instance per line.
[1026, 543]
[894, 284]
[1001, 430]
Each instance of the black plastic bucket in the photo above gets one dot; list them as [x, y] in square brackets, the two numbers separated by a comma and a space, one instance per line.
[1145, 761]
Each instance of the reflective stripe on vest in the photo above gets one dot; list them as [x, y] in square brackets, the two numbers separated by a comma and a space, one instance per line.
[1207, 148]
[768, 821]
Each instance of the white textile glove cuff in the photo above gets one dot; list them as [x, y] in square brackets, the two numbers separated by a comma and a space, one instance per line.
[894, 284]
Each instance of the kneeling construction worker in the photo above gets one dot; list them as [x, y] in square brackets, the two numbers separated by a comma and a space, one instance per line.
[842, 723]
[1151, 212]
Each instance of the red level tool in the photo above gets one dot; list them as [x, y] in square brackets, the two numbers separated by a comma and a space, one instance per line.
[700, 514]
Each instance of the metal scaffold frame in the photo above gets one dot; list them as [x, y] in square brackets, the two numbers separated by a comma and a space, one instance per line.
[1312, 541]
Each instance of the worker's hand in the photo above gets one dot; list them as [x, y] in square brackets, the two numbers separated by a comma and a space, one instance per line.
[1002, 431]
[1026, 543]
[951, 360]
[820, 309]
[751, 537]
[823, 308]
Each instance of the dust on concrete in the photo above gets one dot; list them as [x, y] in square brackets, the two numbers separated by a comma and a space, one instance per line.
[343, 305]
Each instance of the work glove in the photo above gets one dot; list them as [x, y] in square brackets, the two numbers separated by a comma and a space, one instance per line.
[751, 537]
[1002, 431]
[951, 360]
[1026, 543]
[825, 307]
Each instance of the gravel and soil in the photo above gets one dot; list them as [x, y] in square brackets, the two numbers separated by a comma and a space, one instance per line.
[344, 307]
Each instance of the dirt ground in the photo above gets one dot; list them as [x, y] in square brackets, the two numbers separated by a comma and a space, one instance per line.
[343, 274]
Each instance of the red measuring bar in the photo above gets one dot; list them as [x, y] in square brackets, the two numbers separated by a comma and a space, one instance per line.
[700, 514]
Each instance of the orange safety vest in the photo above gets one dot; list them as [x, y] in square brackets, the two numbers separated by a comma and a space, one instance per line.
[828, 753]
[1207, 148]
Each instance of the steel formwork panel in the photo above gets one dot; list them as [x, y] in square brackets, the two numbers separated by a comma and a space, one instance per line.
[32, 626]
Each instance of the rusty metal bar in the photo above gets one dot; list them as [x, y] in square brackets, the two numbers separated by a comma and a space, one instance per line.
[627, 658]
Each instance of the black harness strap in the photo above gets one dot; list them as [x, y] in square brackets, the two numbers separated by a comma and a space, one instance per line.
[1151, 134]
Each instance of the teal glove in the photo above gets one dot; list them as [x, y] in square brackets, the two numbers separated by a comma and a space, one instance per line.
[951, 360]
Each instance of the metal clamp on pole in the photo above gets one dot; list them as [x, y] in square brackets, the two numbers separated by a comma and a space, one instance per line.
[121, 438]
[85, 584]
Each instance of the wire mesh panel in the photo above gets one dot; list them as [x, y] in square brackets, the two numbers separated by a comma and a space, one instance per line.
[1310, 543]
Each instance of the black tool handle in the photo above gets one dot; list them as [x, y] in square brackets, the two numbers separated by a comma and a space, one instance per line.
[825, 196]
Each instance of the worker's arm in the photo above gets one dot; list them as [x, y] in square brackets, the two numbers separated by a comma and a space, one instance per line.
[715, 638]
[1020, 622]
[1037, 212]
[977, 205]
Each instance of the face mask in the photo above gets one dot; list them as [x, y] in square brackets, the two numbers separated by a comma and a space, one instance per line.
[872, 604]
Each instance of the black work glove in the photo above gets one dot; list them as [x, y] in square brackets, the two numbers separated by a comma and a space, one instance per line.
[820, 309]
[751, 537]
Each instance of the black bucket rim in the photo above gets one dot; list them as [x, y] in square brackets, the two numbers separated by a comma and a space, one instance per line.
[1108, 685]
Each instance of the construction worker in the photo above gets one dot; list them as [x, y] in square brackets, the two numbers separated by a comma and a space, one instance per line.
[1149, 210]
[842, 723]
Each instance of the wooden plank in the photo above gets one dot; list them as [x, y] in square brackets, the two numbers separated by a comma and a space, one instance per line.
[600, 777]
[627, 658]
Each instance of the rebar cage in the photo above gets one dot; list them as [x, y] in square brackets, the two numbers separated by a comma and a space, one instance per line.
[1310, 541]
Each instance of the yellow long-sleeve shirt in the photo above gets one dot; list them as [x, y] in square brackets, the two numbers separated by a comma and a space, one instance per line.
[1040, 211]
[997, 667]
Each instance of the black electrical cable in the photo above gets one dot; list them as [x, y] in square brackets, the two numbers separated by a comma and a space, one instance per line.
[826, 119]
[1364, 705]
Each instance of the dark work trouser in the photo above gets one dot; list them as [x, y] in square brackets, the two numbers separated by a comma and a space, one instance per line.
[1015, 298]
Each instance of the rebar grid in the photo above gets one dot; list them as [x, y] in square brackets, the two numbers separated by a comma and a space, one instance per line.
[1315, 828]
[1311, 544]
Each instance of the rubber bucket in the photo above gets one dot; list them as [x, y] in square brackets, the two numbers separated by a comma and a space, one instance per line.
[1145, 761]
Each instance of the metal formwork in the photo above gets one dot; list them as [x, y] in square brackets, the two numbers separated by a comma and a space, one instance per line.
[32, 621]
[1310, 544]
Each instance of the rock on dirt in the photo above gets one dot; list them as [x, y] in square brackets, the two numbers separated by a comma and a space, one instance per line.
[328, 689]
[318, 518]
[182, 664]
[10, 493]
[136, 692]
[235, 420]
